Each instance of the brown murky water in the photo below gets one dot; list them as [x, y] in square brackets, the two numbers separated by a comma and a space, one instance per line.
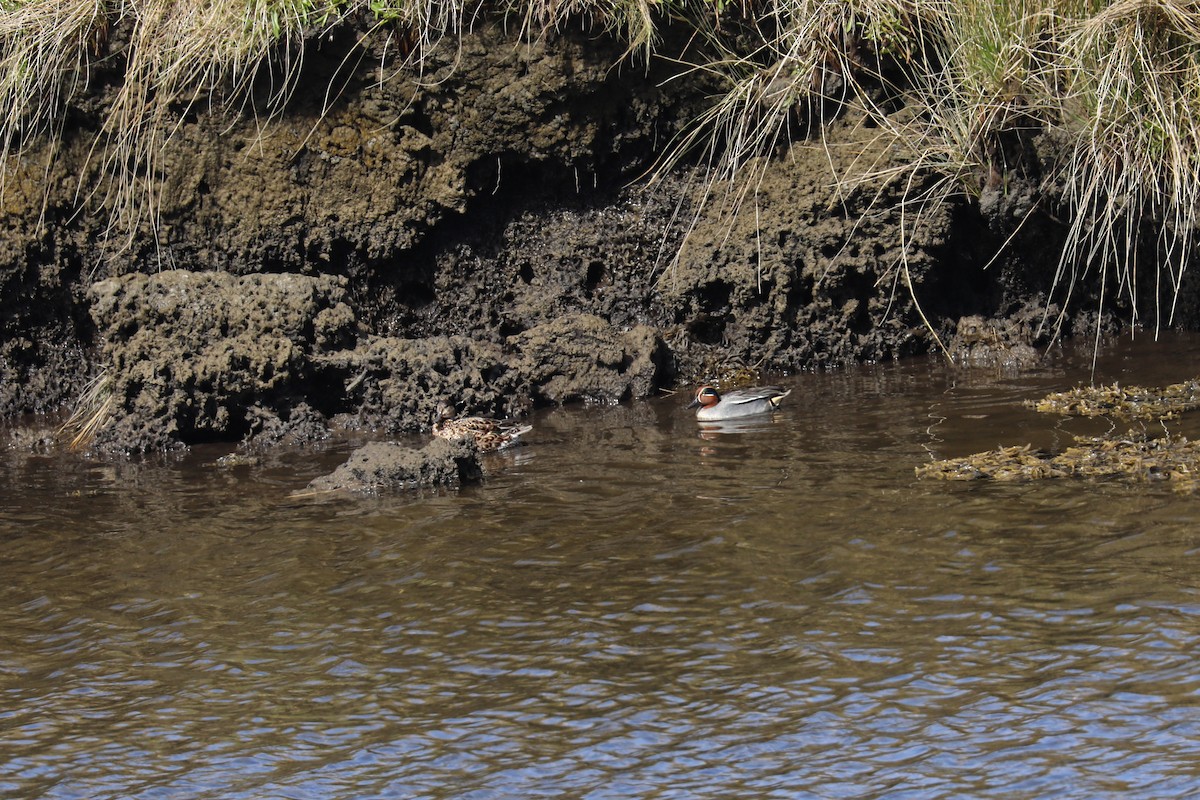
[628, 608]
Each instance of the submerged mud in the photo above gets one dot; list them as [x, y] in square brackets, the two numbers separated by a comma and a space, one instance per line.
[482, 232]
[386, 466]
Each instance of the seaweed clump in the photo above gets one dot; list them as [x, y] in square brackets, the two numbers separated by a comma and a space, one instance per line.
[1129, 402]
[1135, 457]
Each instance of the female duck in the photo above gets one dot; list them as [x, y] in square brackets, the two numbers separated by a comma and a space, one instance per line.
[488, 434]
[738, 403]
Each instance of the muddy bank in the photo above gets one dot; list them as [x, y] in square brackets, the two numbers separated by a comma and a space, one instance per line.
[209, 356]
[485, 235]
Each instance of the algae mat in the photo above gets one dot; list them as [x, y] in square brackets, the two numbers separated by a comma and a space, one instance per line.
[1135, 457]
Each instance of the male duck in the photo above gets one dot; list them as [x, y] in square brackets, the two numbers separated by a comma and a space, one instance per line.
[738, 403]
[489, 434]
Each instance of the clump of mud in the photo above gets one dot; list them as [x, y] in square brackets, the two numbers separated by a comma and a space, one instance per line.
[296, 425]
[189, 354]
[1005, 343]
[582, 357]
[389, 467]
[390, 384]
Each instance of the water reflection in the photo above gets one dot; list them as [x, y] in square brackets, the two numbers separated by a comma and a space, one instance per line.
[714, 429]
[627, 607]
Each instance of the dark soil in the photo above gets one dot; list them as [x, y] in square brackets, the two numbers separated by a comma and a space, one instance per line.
[485, 237]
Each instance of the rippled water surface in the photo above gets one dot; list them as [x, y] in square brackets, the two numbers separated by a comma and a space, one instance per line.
[628, 607]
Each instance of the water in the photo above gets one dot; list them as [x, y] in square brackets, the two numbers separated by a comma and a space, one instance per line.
[626, 608]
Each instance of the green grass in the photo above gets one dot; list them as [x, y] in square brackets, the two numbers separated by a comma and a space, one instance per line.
[1119, 82]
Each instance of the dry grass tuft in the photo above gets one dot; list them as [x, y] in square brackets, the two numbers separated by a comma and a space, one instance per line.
[634, 21]
[184, 55]
[1132, 112]
[92, 412]
[1119, 81]
[43, 65]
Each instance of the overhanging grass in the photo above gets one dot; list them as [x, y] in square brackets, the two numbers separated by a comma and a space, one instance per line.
[1119, 81]
[180, 53]
[1133, 112]
[43, 64]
